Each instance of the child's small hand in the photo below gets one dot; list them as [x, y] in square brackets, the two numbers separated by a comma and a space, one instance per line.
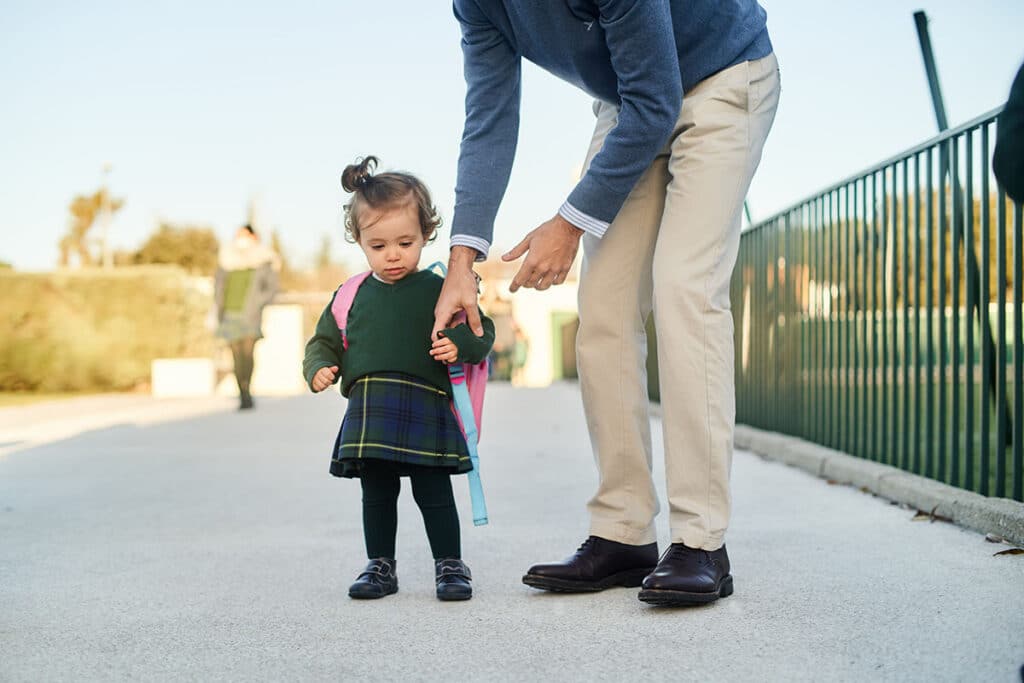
[324, 378]
[444, 350]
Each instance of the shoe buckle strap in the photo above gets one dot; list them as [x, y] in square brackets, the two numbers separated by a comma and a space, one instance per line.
[454, 570]
[381, 569]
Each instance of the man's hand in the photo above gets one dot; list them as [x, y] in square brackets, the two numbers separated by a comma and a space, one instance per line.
[324, 378]
[458, 293]
[552, 248]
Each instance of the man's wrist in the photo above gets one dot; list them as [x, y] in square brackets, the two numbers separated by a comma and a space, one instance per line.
[582, 221]
[573, 230]
[462, 257]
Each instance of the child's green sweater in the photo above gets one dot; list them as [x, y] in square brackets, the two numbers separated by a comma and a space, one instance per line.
[388, 330]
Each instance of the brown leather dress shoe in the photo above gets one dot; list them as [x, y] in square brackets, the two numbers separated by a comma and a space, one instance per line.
[597, 565]
[688, 576]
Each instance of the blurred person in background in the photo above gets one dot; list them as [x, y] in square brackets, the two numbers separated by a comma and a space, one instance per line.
[1008, 158]
[520, 352]
[245, 282]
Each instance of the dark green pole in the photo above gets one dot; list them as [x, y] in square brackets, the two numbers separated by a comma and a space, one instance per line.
[921, 21]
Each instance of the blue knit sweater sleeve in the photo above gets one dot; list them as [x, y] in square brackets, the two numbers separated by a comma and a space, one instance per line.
[492, 69]
[643, 52]
[642, 47]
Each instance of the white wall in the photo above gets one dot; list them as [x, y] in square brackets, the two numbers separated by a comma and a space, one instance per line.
[532, 311]
[278, 357]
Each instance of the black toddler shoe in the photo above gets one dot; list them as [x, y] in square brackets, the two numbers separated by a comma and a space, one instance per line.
[597, 565]
[376, 581]
[453, 579]
[688, 576]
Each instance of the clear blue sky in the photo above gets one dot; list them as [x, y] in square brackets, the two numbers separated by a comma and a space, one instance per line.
[201, 105]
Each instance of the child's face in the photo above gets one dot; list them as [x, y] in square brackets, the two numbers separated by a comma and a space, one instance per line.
[392, 242]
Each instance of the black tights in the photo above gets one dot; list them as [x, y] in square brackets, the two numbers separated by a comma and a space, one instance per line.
[432, 490]
[241, 352]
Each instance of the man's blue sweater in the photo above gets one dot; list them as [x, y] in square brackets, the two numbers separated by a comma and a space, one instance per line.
[639, 55]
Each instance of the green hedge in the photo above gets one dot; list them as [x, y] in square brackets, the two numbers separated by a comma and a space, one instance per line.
[98, 330]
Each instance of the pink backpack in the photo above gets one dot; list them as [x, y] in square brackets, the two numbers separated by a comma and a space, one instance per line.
[469, 381]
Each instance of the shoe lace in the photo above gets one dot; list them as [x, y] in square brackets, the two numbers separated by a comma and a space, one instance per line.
[587, 544]
[678, 551]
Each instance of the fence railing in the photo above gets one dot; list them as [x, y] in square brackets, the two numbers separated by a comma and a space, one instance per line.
[883, 317]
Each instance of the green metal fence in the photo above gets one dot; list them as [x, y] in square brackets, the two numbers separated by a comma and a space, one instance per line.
[883, 317]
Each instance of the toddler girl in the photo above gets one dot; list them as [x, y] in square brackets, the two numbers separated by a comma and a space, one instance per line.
[399, 420]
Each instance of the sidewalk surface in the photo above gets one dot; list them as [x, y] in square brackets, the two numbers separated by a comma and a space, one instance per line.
[184, 540]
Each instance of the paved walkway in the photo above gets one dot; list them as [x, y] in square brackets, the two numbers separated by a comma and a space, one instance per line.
[184, 540]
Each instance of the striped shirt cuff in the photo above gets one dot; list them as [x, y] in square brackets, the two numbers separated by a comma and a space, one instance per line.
[594, 226]
[481, 245]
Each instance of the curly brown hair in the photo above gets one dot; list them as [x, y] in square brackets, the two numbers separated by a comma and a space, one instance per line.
[385, 191]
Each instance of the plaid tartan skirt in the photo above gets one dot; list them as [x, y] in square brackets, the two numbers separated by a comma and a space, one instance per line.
[402, 419]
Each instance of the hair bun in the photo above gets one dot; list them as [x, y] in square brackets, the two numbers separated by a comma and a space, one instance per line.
[356, 176]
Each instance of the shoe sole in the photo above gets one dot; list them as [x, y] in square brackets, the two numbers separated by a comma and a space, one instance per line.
[454, 598]
[626, 579]
[370, 596]
[670, 598]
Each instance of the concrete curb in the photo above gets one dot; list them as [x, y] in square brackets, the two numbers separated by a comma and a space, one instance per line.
[1000, 516]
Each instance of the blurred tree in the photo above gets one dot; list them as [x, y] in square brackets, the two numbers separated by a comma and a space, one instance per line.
[278, 247]
[327, 274]
[323, 256]
[4, 265]
[84, 210]
[124, 257]
[191, 247]
[289, 279]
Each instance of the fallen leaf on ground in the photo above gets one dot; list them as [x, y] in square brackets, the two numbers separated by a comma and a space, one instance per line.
[1011, 551]
[933, 516]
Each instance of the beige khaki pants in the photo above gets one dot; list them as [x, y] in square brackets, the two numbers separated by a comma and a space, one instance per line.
[671, 250]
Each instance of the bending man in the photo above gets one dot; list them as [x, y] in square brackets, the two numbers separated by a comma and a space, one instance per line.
[685, 93]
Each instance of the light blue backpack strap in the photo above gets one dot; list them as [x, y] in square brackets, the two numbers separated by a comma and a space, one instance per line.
[464, 405]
